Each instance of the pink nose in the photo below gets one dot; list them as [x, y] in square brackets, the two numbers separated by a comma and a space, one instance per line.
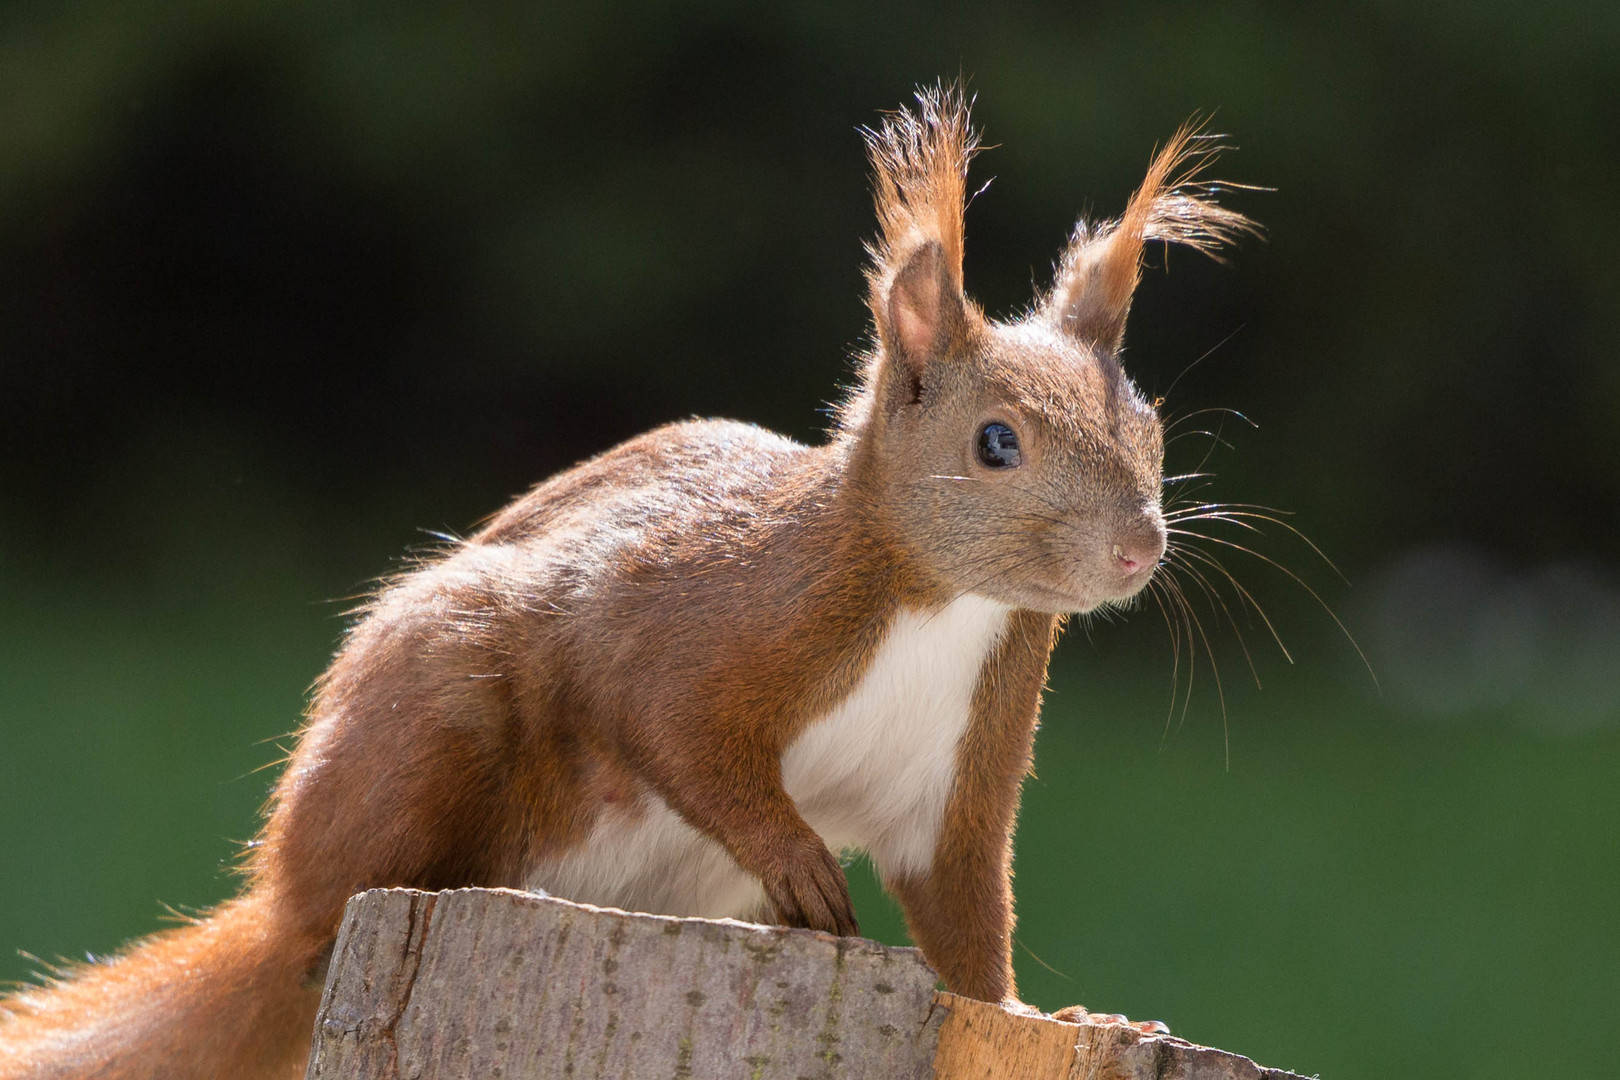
[1133, 557]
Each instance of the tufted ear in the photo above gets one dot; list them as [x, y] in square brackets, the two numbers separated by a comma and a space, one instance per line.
[922, 311]
[914, 281]
[1097, 274]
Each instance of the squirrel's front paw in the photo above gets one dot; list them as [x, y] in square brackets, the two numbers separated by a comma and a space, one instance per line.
[809, 890]
[1078, 1014]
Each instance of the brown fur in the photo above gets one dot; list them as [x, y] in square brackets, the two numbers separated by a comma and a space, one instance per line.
[1103, 263]
[961, 914]
[666, 619]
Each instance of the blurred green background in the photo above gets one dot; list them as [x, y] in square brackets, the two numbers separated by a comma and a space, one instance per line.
[283, 286]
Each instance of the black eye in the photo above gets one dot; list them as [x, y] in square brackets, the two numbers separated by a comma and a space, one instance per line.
[998, 446]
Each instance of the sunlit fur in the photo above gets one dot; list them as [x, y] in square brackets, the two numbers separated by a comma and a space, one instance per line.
[1042, 536]
[681, 673]
[1099, 272]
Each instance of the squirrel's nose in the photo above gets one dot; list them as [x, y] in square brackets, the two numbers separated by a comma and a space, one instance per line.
[1130, 560]
[1139, 551]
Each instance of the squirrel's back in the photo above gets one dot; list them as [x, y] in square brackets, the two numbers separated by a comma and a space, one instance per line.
[667, 482]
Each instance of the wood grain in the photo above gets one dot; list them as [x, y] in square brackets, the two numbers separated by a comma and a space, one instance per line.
[512, 985]
[981, 1041]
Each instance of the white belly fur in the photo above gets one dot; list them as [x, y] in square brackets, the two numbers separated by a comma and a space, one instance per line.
[871, 774]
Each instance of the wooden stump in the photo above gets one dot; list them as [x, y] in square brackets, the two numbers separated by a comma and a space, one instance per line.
[498, 983]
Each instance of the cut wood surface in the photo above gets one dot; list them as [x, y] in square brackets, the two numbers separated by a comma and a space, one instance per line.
[506, 984]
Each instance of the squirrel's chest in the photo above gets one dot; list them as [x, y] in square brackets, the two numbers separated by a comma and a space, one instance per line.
[872, 773]
[875, 771]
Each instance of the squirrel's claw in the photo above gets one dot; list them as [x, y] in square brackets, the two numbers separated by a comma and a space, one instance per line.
[812, 892]
[1079, 1014]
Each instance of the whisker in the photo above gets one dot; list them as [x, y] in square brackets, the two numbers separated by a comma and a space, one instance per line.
[1233, 511]
[1247, 506]
[1214, 441]
[1182, 418]
[992, 568]
[1155, 586]
[1018, 492]
[1205, 356]
[1179, 519]
[1184, 494]
[1215, 672]
[1214, 436]
[1301, 583]
[1215, 598]
[1209, 559]
[1183, 609]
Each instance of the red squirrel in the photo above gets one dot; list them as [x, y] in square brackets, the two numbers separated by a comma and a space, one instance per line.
[685, 675]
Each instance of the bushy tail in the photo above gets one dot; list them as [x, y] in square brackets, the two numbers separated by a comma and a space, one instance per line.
[224, 997]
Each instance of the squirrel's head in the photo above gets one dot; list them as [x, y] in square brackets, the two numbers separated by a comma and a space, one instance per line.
[1016, 459]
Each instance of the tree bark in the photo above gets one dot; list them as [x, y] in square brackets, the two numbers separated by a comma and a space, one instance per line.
[505, 984]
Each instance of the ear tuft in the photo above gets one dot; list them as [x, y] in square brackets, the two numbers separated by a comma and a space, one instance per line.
[919, 176]
[1103, 263]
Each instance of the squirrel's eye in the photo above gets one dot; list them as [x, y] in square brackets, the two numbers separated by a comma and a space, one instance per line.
[998, 446]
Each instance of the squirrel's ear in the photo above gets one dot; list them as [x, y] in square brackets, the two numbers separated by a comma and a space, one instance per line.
[1098, 273]
[922, 309]
[919, 173]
